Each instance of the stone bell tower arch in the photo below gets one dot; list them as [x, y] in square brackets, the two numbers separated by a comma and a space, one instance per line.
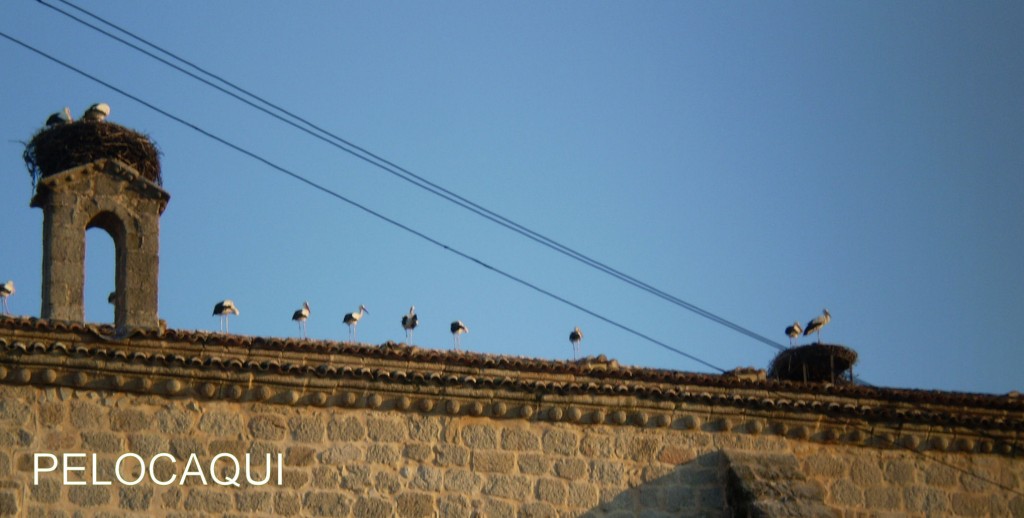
[109, 194]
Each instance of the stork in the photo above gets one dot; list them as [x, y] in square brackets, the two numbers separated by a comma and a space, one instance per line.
[793, 332]
[62, 117]
[97, 112]
[458, 328]
[574, 338]
[352, 319]
[224, 309]
[6, 290]
[409, 322]
[814, 326]
[301, 316]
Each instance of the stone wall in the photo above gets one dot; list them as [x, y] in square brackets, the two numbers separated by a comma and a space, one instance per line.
[364, 462]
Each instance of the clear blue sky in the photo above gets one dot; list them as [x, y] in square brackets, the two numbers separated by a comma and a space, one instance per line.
[761, 160]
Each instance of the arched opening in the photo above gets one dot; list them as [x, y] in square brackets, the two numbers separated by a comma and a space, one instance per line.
[103, 241]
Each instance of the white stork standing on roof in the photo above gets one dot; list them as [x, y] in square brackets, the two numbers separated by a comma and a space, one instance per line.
[300, 316]
[458, 328]
[575, 337]
[793, 332]
[61, 117]
[224, 309]
[814, 326]
[352, 320]
[97, 112]
[409, 322]
[6, 290]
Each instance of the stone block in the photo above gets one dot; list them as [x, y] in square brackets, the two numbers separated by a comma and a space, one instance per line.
[47, 491]
[607, 473]
[534, 463]
[455, 506]
[582, 495]
[89, 496]
[355, 477]
[306, 428]
[326, 477]
[936, 474]
[865, 472]
[883, 498]
[135, 498]
[252, 501]
[129, 420]
[207, 501]
[966, 504]
[479, 437]
[423, 428]
[101, 442]
[520, 439]
[825, 466]
[427, 478]
[415, 505]
[507, 486]
[325, 504]
[450, 455]
[9, 504]
[418, 452]
[52, 413]
[294, 478]
[382, 453]
[551, 490]
[86, 415]
[341, 454]
[183, 447]
[900, 472]
[347, 428]
[462, 481]
[175, 420]
[641, 448]
[572, 469]
[387, 483]
[845, 493]
[597, 445]
[560, 442]
[373, 507]
[299, 456]
[287, 504]
[675, 454]
[537, 510]
[14, 411]
[493, 461]
[221, 424]
[172, 498]
[267, 427]
[494, 508]
[385, 429]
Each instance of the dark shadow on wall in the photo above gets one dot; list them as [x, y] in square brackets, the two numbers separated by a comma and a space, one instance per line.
[726, 483]
[695, 489]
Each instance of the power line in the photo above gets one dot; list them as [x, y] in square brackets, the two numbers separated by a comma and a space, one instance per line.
[403, 173]
[359, 206]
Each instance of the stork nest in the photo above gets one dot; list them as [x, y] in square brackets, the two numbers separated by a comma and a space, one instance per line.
[814, 363]
[64, 146]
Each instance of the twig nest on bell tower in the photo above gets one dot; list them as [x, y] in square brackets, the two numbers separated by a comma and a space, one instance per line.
[64, 146]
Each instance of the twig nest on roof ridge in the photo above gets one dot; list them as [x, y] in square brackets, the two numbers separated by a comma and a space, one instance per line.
[814, 363]
[64, 146]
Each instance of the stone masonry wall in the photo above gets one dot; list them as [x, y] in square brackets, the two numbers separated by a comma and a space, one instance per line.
[361, 462]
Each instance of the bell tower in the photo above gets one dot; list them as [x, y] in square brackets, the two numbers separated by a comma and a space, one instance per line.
[105, 193]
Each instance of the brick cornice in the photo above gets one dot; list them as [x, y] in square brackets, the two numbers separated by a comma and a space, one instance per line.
[202, 365]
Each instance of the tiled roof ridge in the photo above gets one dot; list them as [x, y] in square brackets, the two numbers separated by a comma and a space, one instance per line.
[594, 367]
[202, 365]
